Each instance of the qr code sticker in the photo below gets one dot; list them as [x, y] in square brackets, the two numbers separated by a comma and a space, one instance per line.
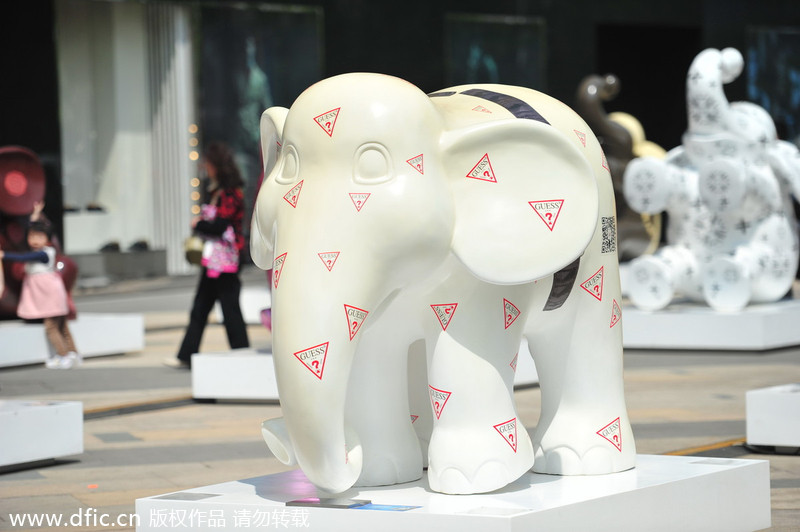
[609, 234]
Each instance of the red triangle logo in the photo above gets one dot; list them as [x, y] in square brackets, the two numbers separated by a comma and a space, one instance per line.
[548, 211]
[616, 314]
[314, 358]
[277, 268]
[508, 430]
[514, 362]
[444, 313]
[355, 317]
[417, 163]
[328, 258]
[359, 199]
[327, 120]
[510, 311]
[439, 398]
[581, 136]
[481, 109]
[605, 162]
[414, 418]
[594, 284]
[483, 170]
[612, 433]
[293, 195]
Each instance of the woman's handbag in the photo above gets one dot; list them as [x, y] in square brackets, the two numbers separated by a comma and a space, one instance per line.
[193, 249]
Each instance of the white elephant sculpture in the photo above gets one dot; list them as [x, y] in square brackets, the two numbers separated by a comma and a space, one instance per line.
[731, 234]
[432, 232]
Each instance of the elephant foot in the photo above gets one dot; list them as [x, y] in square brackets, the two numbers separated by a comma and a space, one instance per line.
[726, 285]
[651, 286]
[458, 462]
[390, 468]
[585, 446]
[568, 461]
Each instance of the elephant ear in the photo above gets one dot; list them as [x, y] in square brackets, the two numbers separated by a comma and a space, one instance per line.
[272, 121]
[261, 241]
[526, 199]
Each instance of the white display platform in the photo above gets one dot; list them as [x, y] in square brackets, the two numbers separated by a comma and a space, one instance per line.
[239, 374]
[694, 326]
[94, 335]
[249, 374]
[666, 493]
[252, 300]
[773, 416]
[31, 431]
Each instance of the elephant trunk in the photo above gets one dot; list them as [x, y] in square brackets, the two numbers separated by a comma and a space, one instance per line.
[315, 333]
[708, 107]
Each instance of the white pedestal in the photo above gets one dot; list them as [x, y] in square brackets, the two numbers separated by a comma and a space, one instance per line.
[249, 374]
[662, 493]
[31, 431]
[240, 374]
[773, 416]
[693, 326]
[94, 335]
[252, 300]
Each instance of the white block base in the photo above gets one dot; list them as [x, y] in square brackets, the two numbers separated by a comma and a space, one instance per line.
[662, 493]
[252, 300]
[39, 430]
[773, 416]
[94, 335]
[240, 374]
[249, 374]
[694, 326]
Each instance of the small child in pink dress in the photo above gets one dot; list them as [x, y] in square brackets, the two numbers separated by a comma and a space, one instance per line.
[43, 295]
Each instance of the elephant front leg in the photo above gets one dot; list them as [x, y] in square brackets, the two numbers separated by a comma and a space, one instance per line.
[584, 426]
[477, 444]
[378, 409]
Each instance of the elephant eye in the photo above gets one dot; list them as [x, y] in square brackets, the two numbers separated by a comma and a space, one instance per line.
[373, 164]
[290, 167]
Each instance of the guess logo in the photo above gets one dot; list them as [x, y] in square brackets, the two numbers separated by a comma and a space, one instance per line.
[581, 136]
[508, 430]
[514, 362]
[277, 268]
[293, 195]
[359, 199]
[511, 313]
[439, 399]
[355, 317]
[444, 313]
[594, 284]
[327, 120]
[616, 313]
[548, 211]
[612, 433]
[417, 164]
[328, 258]
[314, 358]
[483, 170]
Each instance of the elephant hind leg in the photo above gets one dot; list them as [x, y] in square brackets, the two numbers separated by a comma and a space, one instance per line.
[584, 426]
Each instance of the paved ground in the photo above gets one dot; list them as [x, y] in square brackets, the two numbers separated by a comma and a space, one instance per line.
[144, 436]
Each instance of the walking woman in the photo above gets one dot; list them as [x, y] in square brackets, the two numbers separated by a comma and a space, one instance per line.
[220, 226]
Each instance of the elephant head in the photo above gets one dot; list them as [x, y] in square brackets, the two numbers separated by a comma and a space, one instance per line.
[370, 186]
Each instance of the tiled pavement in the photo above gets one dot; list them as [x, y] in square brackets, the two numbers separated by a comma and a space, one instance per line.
[144, 436]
